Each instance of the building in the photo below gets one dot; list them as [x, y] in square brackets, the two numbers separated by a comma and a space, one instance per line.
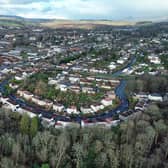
[64, 124]
[97, 107]
[58, 107]
[25, 94]
[86, 110]
[72, 110]
[107, 102]
[155, 97]
[40, 102]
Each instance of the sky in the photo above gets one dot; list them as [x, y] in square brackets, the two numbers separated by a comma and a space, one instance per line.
[86, 9]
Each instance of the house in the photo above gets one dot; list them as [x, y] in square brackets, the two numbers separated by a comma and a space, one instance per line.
[49, 103]
[11, 105]
[13, 86]
[111, 95]
[33, 38]
[153, 72]
[3, 100]
[106, 87]
[19, 77]
[40, 102]
[26, 111]
[127, 71]
[141, 95]
[72, 110]
[25, 94]
[88, 90]
[75, 88]
[64, 124]
[52, 82]
[129, 114]
[126, 115]
[154, 59]
[47, 121]
[114, 82]
[5, 71]
[105, 123]
[107, 101]
[120, 61]
[74, 79]
[155, 97]
[62, 87]
[112, 66]
[58, 107]
[97, 107]
[139, 73]
[140, 106]
[86, 123]
[86, 110]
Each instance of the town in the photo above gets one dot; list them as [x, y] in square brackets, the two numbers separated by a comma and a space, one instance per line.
[75, 77]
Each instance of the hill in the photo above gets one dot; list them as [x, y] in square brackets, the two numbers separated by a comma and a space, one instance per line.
[86, 24]
[11, 20]
[7, 20]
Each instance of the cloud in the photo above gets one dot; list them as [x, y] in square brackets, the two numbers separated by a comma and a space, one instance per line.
[85, 9]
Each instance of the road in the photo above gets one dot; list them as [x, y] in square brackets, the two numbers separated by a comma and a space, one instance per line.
[119, 91]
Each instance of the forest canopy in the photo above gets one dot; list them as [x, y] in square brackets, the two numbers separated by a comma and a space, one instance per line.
[141, 142]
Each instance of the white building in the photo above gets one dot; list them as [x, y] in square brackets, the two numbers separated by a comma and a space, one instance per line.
[120, 61]
[72, 110]
[25, 94]
[107, 102]
[41, 102]
[62, 87]
[155, 97]
[74, 79]
[24, 111]
[58, 107]
[86, 110]
[154, 59]
[52, 82]
[63, 124]
[97, 107]
[11, 105]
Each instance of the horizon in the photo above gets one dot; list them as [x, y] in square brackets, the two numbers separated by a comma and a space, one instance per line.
[86, 9]
[157, 19]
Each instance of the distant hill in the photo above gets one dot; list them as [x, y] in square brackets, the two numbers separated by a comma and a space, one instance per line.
[86, 24]
[7, 20]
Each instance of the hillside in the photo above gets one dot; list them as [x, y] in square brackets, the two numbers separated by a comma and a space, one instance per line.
[86, 24]
[6, 20]
[11, 21]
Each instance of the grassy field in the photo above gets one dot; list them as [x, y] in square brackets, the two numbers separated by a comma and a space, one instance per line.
[14, 24]
[14, 21]
[84, 24]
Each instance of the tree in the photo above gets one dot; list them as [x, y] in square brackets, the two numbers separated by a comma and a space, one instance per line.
[63, 143]
[24, 124]
[45, 166]
[79, 155]
[16, 152]
[160, 128]
[6, 163]
[154, 112]
[41, 87]
[34, 126]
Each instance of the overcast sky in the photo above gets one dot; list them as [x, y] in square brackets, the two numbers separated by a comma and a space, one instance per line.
[85, 9]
